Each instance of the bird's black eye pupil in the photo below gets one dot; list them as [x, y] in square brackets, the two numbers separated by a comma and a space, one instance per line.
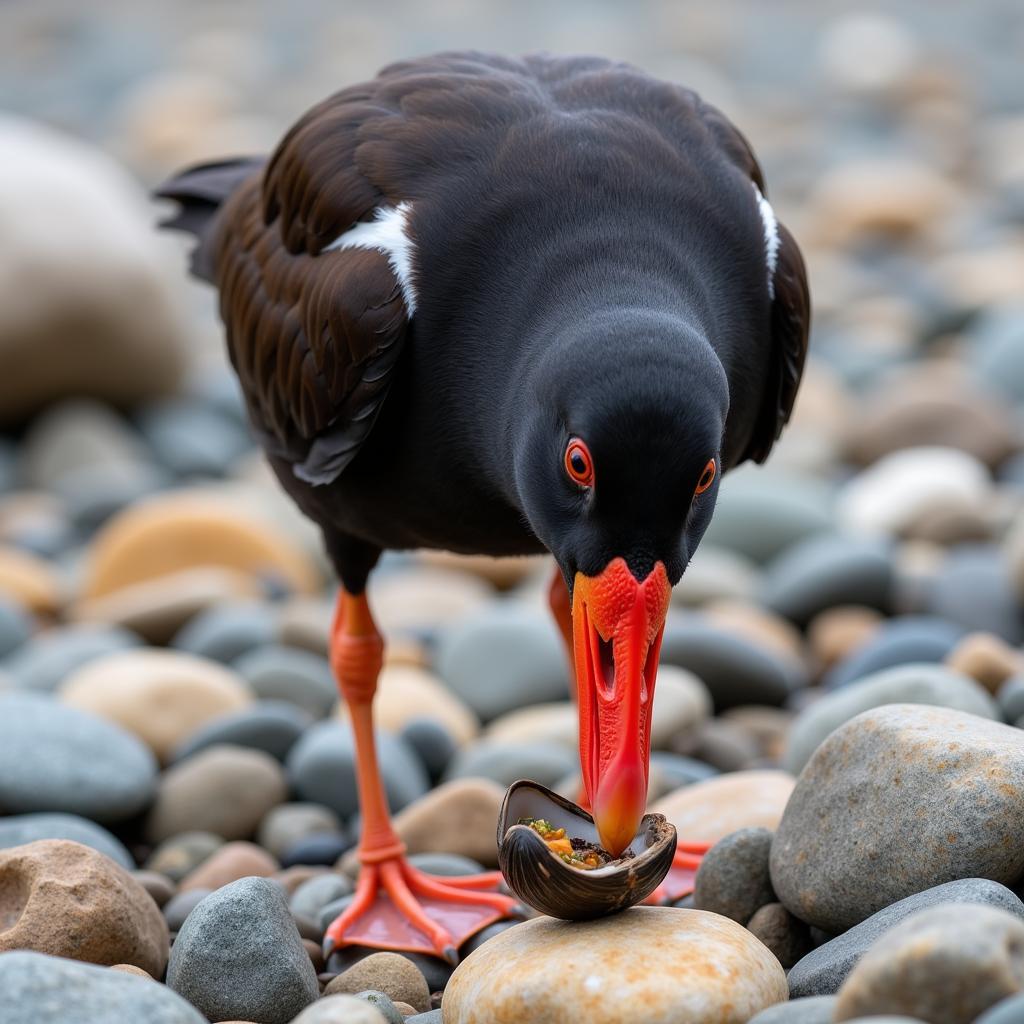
[579, 464]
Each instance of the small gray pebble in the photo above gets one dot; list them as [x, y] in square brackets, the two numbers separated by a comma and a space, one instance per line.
[733, 878]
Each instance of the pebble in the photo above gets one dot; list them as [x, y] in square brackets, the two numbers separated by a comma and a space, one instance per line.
[224, 790]
[828, 571]
[906, 684]
[95, 262]
[432, 743]
[734, 670]
[161, 696]
[759, 625]
[176, 856]
[1011, 698]
[733, 878]
[1006, 1011]
[823, 970]
[18, 829]
[324, 848]
[282, 826]
[321, 769]
[503, 658]
[698, 967]
[670, 772]
[709, 811]
[716, 574]
[239, 955]
[946, 964]
[160, 887]
[782, 932]
[56, 758]
[66, 899]
[406, 693]
[721, 744]
[16, 626]
[190, 439]
[157, 609]
[273, 727]
[286, 673]
[227, 631]
[228, 863]
[39, 989]
[505, 762]
[340, 1009]
[388, 1009]
[556, 724]
[987, 659]
[51, 656]
[424, 601]
[315, 893]
[682, 706]
[833, 868]
[170, 532]
[179, 906]
[811, 1010]
[389, 973]
[31, 581]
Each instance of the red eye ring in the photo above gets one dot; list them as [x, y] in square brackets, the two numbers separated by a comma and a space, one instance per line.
[707, 478]
[578, 463]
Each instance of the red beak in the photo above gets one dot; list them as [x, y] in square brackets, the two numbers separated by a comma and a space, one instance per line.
[618, 623]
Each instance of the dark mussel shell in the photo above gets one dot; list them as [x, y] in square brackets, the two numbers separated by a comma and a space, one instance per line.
[543, 880]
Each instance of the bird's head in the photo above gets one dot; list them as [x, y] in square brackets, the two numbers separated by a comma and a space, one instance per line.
[618, 461]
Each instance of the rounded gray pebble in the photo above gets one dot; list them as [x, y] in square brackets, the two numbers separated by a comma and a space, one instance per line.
[433, 744]
[268, 725]
[19, 829]
[310, 898]
[239, 956]
[181, 904]
[284, 825]
[813, 1010]
[1006, 1011]
[228, 631]
[16, 626]
[504, 763]
[733, 878]
[49, 657]
[384, 1006]
[289, 674]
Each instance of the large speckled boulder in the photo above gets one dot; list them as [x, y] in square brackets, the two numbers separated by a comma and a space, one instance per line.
[899, 799]
[656, 964]
[86, 303]
[66, 899]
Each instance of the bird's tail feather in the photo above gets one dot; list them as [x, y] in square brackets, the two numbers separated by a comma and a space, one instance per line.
[199, 192]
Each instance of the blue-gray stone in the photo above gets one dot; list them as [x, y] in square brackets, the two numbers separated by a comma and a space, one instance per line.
[290, 674]
[974, 589]
[40, 989]
[505, 762]
[810, 1010]
[16, 626]
[996, 352]
[226, 632]
[735, 671]
[310, 898]
[181, 904]
[322, 770]
[825, 571]
[383, 1004]
[676, 770]
[504, 658]
[434, 1017]
[905, 684]
[320, 848]
[1006, 1011]
[446, 864]
[900, 641]
[192, 439]
[238, 956]
[19, 829]
[58, 758]
[92, 494]
[49, 657]
[1010, 698]
[432, 742]
[825, 969]
[271, 726]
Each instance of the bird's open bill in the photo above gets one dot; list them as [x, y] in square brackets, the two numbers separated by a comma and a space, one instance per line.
[618, 623]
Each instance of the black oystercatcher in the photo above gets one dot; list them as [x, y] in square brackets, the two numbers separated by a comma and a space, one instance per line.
[505, 306]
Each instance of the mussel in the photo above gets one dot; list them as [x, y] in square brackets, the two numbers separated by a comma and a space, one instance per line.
[541, 878]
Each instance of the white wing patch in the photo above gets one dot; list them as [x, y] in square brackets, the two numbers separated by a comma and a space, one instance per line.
[771, 237]
[387, 233]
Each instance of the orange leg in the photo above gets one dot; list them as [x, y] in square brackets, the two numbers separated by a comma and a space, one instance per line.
[679, 881]
[395, 906]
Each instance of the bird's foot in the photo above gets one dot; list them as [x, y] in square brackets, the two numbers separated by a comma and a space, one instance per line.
[680, 878]
[397, 906]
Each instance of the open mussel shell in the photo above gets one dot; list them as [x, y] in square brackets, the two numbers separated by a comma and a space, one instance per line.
[543, 880]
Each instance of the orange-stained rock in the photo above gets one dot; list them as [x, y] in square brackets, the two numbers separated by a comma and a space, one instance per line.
[162, 696]
[231, 862]
[65, 899]
[169, 533]
[709, 810]
[649, 963]
[30, 581]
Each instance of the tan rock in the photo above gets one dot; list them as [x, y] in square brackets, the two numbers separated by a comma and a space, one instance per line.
[30, 581]
[682, 704]
[231, 862]
[65, 899]
[649, 963]
[405, 692]
[224, 790]
[132, 969]
[709, 810]
[340, 1009]
[457, 817]
[836, 632]
[182, 853]
[556, 723]
[162, 696]
[986, 658]
[425, 598]
[156, 609]
[759, 626]
[503, 573]
[171, 532]
[405, 1009]
[161, 887]
[391, 973]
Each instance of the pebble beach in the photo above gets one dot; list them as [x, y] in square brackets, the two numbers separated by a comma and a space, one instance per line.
[840, 705]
